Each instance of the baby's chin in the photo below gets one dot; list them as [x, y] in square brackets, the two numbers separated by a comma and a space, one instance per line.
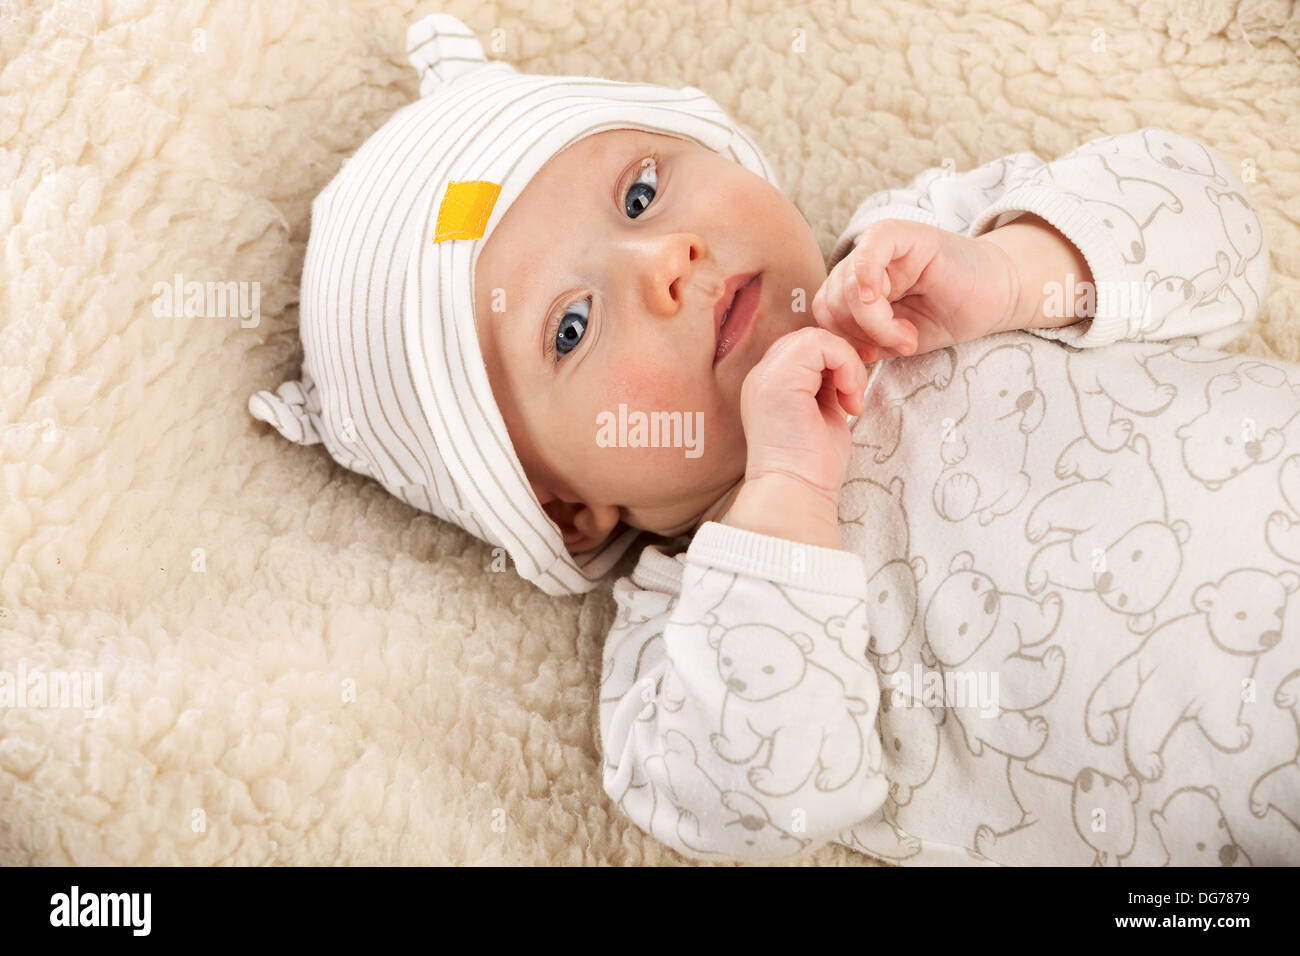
[685, 498]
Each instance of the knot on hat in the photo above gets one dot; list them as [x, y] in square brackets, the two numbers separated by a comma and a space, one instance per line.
[441, 48]
[293, 409]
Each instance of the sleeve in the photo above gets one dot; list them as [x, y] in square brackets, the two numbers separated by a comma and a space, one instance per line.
[738, 717]
[1173, 242]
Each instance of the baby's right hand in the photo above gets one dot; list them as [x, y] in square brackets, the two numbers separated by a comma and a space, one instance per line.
[792, 407]
[907, 288]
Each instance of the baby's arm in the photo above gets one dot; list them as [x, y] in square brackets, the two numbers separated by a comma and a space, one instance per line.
[1160, 223]
[939, 197]
[1172, 241]
[738, 716]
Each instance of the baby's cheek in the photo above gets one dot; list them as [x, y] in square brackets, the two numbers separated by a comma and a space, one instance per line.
[648, 386]
[683, 438]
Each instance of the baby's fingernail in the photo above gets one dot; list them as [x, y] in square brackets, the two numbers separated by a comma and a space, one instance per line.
[868, 294]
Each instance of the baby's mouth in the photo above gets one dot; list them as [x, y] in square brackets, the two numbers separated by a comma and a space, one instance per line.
[738, 316]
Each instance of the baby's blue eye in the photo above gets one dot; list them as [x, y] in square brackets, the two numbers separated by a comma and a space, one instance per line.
[648, 166]
[567, 336]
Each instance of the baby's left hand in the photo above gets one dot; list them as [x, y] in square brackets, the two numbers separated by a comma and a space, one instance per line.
[908, 288]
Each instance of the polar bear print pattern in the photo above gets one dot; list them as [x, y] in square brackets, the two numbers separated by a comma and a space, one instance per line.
[1278, 791]
[972, 626]
[767, 672]
[1193, 669]
[1104, 811]
[1283, 531]
[748, 826]
[1195, 832]
[1114, 536]
[1003, 405]
[1104, 385]
[866, 509]
[878, 432]
[1242, 425]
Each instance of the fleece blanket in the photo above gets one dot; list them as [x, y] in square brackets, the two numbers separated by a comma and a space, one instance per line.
[228, 649]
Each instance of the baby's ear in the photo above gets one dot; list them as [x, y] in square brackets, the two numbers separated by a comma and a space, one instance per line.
[582, 526]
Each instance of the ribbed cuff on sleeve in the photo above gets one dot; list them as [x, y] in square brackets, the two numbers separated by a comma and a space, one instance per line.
[825, 570]
[1120, 300]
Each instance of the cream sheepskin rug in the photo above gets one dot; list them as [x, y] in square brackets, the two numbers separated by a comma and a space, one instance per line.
[296, 667]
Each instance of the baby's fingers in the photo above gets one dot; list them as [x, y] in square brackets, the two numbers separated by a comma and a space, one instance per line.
[846, 374]
[829, 312]
[845, 315]
[816, 358]
[873, 315]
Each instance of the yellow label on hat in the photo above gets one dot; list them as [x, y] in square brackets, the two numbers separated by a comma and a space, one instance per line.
[465, 210]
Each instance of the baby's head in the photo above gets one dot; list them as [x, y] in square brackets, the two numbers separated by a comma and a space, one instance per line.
[513, 264]
[598, 289]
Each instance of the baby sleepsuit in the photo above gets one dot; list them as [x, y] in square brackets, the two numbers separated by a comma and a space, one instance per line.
[1061, 628]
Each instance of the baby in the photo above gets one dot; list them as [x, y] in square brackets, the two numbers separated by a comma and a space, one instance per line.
[1026, 604]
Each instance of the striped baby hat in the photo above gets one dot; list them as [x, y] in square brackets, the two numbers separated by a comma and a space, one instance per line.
[392, 381]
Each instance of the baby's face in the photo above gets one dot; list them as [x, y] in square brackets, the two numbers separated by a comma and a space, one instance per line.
[631, 258]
